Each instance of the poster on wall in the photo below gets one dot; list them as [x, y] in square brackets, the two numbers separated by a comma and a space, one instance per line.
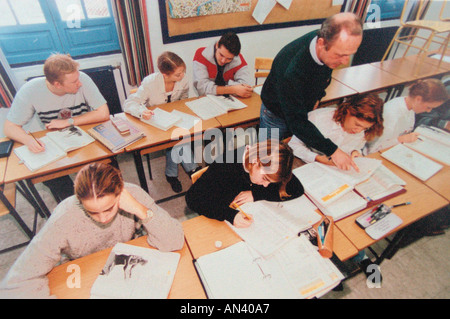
[195, 8]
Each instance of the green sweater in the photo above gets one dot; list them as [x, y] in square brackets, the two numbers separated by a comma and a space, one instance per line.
[294, 85]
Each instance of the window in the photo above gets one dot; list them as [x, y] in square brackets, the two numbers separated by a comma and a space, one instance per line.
[31, 30]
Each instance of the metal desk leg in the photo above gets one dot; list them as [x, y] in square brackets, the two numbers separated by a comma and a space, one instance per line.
[22, 188]
[38, 198]
[16, 216]
[140, 170]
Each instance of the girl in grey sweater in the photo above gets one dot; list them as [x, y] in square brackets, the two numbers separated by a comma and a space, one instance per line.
[104, 211]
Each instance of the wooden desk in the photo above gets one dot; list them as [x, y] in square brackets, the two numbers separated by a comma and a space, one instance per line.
[423, 200]
[17, 172]
[336, 92]
[157, 139]
[404, 68]
[440, 182]
[202, 233]
[186, 284]
[366, 78]
[246, 117]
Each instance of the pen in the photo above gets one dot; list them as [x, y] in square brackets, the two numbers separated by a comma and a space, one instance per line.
[35, 139]
[402, 204]
[236, 206]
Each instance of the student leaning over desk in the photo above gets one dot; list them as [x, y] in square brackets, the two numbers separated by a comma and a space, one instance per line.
[167, 85]
[399, 113]
[103, 212]
[259, 172]
[349, 126]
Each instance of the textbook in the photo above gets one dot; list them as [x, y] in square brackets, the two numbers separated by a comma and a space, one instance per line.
[108, 135]
[57, 145]
[211, 106]
[162, 119]
[275, 223]
[339, 193]
[433, 142]
[412, 162]
[137, 273]
[295, 271]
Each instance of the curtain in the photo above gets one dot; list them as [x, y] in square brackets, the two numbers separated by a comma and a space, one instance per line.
[7, 87]
[132, 28]
[359, 7]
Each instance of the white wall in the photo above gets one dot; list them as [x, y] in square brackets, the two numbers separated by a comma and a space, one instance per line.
[262, 43]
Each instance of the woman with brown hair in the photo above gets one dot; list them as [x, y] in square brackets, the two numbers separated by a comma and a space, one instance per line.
[399, 113]
[349, 126]
[103, 212]
[259, 172]
[168, 85]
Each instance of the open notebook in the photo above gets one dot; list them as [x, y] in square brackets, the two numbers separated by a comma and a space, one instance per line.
[296, 270]
[136, 272]
[276, 223]
[433, 142]
[412, 162]
[210, 106]
[57, 145]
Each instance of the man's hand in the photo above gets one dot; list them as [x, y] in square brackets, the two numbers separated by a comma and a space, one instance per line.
[34, 145]
[57, 124]
[240, 221]
[243, 90]
[343, 161]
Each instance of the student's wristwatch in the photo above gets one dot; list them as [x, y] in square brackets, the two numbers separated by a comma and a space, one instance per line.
[149, 215]
[70, 120]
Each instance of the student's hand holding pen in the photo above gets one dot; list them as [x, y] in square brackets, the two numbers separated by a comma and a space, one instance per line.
[408, 138]
[34, 145]
[147, 114]
[242, 219]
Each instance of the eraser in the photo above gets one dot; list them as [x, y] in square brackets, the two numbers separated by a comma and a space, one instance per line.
[218, 244]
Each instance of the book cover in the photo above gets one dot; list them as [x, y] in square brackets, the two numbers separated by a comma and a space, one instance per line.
[107, 134]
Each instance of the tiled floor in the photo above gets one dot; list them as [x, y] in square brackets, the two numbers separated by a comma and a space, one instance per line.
[419, 270]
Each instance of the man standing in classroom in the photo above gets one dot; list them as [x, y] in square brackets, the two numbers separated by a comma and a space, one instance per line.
[220, 68]
[300, 73]
[64, 97]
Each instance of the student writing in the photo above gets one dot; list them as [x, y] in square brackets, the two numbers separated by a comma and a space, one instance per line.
[259, 172]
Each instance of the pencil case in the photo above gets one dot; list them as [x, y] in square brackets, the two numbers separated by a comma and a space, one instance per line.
[324, 230]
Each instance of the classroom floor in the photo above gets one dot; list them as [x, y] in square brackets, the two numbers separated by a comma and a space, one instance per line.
[418, 270]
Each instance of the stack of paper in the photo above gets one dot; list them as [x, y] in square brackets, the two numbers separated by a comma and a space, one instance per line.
[295, 271]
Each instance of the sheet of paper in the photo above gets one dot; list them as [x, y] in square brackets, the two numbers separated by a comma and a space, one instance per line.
[285, 3]
[262, 10]
[187, 121]
[412, 162]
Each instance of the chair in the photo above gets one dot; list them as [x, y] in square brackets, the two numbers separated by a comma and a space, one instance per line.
[197, 174]
[435, 27]
[262, 64]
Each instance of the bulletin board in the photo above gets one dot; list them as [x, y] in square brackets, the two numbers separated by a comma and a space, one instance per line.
[301, 12]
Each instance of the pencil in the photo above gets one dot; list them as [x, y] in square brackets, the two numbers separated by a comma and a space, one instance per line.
[236, 206]
[34, 138]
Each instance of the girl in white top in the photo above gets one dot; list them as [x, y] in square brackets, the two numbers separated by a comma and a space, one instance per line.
[349, 126]
[399, 113]
[165, 86]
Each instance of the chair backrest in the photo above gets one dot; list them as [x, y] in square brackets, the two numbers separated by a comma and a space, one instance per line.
[419, 10]
[262, 67]
[197, 174]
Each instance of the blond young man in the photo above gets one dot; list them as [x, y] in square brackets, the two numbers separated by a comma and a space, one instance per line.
[64, 97]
